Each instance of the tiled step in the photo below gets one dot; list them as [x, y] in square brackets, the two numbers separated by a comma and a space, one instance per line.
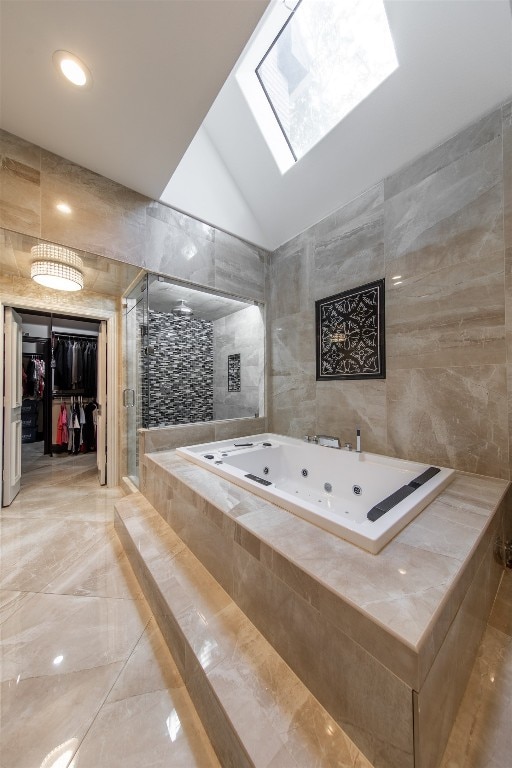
[254, 708]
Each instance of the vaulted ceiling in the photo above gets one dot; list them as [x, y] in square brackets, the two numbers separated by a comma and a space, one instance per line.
[164, 104]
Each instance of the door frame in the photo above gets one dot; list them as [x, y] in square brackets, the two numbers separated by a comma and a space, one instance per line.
[20, 303]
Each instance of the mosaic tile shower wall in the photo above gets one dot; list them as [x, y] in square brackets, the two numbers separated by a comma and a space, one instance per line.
[180, 370]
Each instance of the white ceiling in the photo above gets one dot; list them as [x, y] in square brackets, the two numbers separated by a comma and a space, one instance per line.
[158, 65]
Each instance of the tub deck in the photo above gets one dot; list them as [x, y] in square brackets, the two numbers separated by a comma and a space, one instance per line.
[296, 475]
[402, 623]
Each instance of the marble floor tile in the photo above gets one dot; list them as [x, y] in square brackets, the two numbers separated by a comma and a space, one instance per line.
[10, 601]
[481, 736]
[80, 650]
[501, 616]
[59, 634]
[34, 552]
[150, 668]
[103, 571]
[152, 729]
[49, 715]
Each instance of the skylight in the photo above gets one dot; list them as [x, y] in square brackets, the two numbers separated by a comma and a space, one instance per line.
[327, 58]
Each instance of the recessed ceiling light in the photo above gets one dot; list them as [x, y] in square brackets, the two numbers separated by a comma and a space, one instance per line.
[63, 208]
[73, 69]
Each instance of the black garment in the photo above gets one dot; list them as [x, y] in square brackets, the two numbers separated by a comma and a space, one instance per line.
[30, 383]
[63, 364]
[89, 438]
[89, 373]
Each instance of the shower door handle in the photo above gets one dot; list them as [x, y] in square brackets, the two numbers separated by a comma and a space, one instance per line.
[128, 398]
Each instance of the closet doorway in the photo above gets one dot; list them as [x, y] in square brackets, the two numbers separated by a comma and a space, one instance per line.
[59, 402]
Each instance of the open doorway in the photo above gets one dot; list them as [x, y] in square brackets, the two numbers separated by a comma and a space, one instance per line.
[56, 414]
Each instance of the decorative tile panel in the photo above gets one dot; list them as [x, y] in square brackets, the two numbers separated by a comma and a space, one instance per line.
[350, 334]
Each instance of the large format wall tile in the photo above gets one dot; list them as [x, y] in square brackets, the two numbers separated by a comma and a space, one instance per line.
[106, 217]
[472, 137]
[20, 191]
[456, 417]
[288, 278]
[349, 246]
[239, 267]
[462, 200]
[450, 316]
[507, 172]
[179, 246]
[340, 410]
[293, 404]
[292, 344]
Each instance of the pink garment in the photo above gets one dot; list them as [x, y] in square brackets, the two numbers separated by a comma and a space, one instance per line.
[62, 426]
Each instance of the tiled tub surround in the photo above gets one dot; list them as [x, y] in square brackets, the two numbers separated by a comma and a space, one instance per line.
[336, 490]
[384, 642]
[167, 438]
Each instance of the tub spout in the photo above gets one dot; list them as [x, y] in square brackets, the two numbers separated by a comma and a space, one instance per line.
[329, 441]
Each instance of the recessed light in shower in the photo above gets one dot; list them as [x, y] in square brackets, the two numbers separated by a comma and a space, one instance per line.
[73, 69]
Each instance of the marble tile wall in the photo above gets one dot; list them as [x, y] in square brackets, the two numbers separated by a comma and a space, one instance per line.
[239, 333]
[111, 220]
[166, 438]
[444, 225]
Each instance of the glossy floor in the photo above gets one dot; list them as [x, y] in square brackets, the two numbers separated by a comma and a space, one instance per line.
[86, 679]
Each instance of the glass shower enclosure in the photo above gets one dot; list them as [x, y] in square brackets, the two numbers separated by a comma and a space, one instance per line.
[136, 355]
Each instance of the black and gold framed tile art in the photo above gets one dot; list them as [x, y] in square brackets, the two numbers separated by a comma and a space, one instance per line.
[350, 334]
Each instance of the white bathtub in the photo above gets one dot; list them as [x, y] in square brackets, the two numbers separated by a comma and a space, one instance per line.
[334, 489]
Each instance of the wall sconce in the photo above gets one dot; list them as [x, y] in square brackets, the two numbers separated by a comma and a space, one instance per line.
[56, 267]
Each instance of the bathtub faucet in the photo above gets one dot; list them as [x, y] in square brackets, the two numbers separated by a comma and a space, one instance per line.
[328, 440]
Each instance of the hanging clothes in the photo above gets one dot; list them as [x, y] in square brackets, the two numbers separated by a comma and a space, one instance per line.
[75, 365]
[77, 430]
[33, 377]
[90, 370]
[62, 426]
[89, 431]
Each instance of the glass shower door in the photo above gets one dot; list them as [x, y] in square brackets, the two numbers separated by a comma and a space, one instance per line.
[136, 394]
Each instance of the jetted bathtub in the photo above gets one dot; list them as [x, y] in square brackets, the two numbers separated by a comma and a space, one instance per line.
[362, 497]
